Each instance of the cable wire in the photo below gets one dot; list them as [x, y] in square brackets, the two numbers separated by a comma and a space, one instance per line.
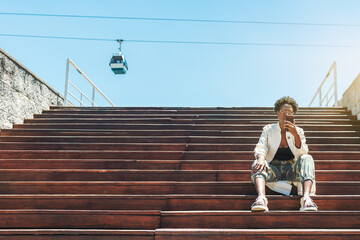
[182, 42]
[246, 44]
[182, 20]
[56, 37]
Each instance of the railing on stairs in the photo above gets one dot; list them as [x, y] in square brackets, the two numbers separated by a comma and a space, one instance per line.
[333, 86]
[82, 95]
[351, 98]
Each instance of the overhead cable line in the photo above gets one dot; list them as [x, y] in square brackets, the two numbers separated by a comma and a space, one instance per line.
[182, 20]
[183, 42]
[56, 37]
[246, 44]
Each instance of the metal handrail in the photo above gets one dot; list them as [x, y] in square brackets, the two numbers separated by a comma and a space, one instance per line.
[81, 103]
[81, 93]
[94, 88]
[318, 92]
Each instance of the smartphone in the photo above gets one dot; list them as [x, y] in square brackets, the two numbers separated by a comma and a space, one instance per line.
[289, 118]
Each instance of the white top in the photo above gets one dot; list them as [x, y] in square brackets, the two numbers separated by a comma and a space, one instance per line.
[268, 145]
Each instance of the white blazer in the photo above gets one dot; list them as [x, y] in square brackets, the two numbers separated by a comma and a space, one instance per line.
[268, 145]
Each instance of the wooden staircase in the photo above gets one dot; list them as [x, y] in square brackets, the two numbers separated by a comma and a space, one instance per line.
[169, 173]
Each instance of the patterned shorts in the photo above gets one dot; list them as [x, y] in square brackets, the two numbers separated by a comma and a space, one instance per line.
[295, 171]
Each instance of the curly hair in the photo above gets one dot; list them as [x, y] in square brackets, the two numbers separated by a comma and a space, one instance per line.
[286, 100]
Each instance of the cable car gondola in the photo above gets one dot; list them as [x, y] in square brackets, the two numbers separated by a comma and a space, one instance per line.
[118, 62]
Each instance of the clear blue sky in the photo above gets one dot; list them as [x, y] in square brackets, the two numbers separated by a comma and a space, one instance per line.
[189, 75]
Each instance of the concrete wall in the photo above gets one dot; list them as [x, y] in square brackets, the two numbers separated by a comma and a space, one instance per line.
[22, 93]
[351, 97]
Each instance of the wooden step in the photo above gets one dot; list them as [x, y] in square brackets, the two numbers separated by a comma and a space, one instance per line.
[92, 164]
[114, 175]
[110, 219]
[268, 121]
[159, 146]
[168, 121]
[270, 220]
[78, 234]
[114, 124]
[157, 164]
[194, 108]
[254, 140]
[206, 118]
[207, 110]
[105, 146]
[166, 132]
[235, 234]
[260, 111]
[161, 187]
[250, 147]
[202, 122]
[218, 121]
[110, 114]
[168, 202]
[159, 155]
[95, 154]
[244, 155]
[84, 201]
[153, 175]
[245, 164]
[168, 139]
[87, 187]
[177, 234]
[187, 115]
[246, 187]
[192, 113]
[241, 202]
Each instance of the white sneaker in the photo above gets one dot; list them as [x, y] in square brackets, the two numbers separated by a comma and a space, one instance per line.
[260, 204]
[307, 204]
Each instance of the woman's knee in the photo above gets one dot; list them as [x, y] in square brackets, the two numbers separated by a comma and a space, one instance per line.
[307, 171]
[306, 159]
[263, 174]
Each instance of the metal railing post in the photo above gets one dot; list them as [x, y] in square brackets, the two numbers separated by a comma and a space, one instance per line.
[93, 97]
[66, 82]
[335, 84]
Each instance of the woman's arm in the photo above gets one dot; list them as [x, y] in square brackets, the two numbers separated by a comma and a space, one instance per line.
[299, 136]
[297, 140]
[261, 147]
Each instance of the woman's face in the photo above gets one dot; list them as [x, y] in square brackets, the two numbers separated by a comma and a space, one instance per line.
[285, 109]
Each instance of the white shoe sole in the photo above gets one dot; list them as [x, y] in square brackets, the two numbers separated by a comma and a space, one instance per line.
[308, 209]
[260, 209]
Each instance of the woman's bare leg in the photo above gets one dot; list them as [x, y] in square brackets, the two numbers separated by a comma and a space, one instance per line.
[260, 186]
[307, 184]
